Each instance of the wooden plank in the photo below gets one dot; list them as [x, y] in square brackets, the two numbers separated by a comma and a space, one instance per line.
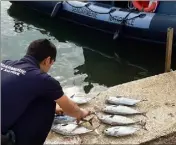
[169, 44]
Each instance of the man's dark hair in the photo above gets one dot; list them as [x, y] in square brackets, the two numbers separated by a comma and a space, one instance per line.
[41, 49]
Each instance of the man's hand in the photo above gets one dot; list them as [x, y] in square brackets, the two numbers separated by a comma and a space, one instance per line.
[84, 113]
[72, 109]
[59, 110]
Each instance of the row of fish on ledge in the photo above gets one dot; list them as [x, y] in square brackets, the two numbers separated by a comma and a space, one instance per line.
[113, 114]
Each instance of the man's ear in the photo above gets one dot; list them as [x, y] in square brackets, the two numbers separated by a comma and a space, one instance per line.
[48, 60]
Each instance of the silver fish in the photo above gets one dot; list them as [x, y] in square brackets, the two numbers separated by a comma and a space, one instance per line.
[118, 131]
[121, 110]
[65, 119]
[62, 119]
[123, 101]
[116, 120]
[70, 129]
[80, 100]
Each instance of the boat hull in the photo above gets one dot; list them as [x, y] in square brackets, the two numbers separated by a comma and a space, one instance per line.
[129, 24]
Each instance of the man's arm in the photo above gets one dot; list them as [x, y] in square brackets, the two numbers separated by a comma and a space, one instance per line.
[51, 87]
[70, 108]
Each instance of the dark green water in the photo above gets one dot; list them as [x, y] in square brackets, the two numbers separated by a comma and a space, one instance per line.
[86, 60]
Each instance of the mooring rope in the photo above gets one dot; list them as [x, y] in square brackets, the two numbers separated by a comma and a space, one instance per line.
[113, 9]
[55, 9]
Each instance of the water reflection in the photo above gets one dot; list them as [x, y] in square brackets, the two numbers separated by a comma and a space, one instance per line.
[106, 70]
[20, 27]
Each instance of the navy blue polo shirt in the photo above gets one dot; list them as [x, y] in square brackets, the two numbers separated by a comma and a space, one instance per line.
[21, 83]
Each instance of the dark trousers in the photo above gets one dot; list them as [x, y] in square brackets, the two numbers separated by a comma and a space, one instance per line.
[34, 125]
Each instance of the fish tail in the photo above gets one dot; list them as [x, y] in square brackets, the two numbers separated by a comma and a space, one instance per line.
[144, 114]
[90, 121]
[144, 100]
[106, 101]
[143, 124]
[94, 96]
[98, 94]
[72, 96]
[95, 130]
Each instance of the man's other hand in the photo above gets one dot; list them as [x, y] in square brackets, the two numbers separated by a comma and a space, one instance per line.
[83, 114]
[59, 110]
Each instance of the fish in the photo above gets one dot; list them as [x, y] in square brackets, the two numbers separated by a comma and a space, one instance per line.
[61, 119]
[70, 129]
[80, 100]
[65, 119]
[123, 101]
[119, 120]
[116, 120]
[121, 110]
[59, 77]
[118, 131]
[70, 91]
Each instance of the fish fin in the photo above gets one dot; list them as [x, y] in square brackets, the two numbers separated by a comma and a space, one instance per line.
[113, 105]
[95, 129]
[98, 94]
[116, 133]
[143, 124]
[106, 101]
[145, 114]
[72, 96]
[90, 120]
[64, 124]
[111, 116]
[144, 100]
[93, 97]
[118, 96]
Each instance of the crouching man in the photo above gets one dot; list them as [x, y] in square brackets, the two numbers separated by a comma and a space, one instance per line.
[29, 96]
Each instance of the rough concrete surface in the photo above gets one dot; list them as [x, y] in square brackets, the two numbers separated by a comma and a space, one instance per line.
[159, 90]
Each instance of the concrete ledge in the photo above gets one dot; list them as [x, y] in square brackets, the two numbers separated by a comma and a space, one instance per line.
[159, 90]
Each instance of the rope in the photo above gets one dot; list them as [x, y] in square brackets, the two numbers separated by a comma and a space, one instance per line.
[111, 10]
[54, 9]
[130, 5]
[117, 33]
[89, 8]
[123, 21]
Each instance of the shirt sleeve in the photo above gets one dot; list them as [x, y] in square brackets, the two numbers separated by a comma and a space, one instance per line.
[5, 61]
[51, 88]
